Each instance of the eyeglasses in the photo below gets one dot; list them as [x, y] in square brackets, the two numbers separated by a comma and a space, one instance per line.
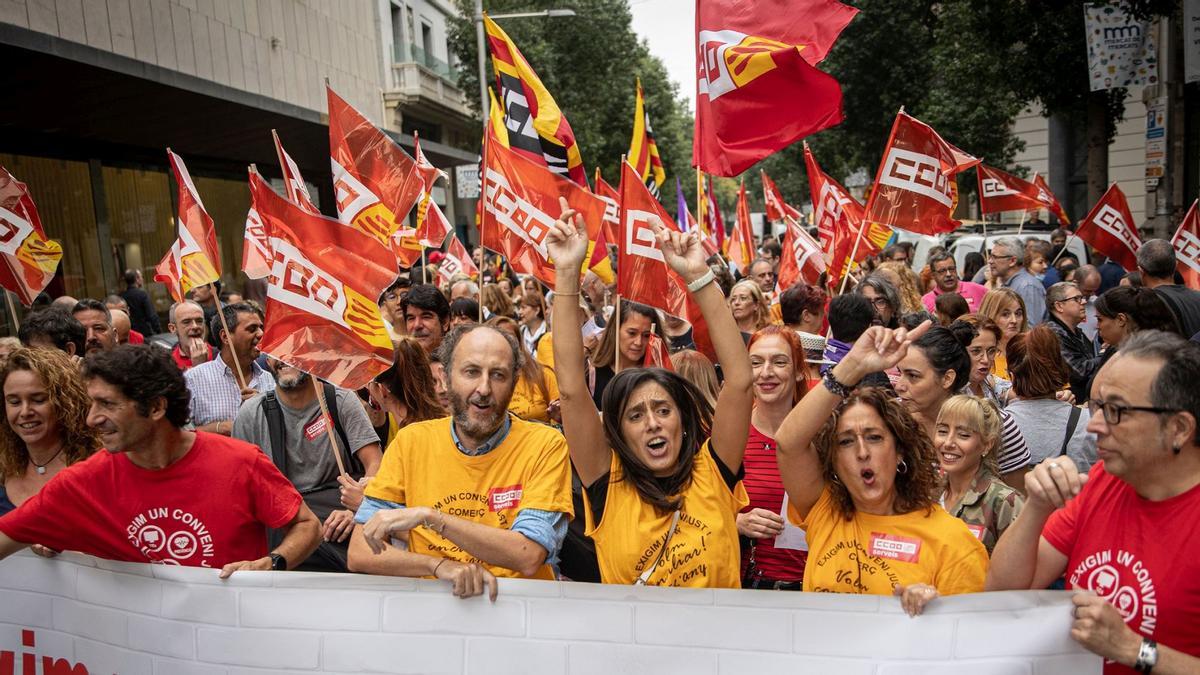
[977, 352]
[1000, 257]
[1114, 411]
[880, 303]
[946, 270]
[1075, 298]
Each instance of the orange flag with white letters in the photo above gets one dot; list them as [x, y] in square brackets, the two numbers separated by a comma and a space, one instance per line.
[28, 260]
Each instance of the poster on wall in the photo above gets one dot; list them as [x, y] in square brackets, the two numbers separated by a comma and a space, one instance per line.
[1122, 50]
[1191, 41]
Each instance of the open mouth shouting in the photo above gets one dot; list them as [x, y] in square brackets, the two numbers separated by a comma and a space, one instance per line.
[868, 477]
[657, 447]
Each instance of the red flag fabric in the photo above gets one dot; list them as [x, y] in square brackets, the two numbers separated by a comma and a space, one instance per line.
[1187, 247]
[375, 183]
[1110, 229]
[740, 245]
[642, 272]
[28, 260]
[915, 187]
[256, 251]
[713, 221]
[657, 354]
[193, 259]
[294, 187]
[321, 313]
[1049, 201]
[1000, 191]
[777, 208]
[432, 226]
[757, 88]
[835, 212]
[802, 259]
[456, 261]
[612, 207]
[520, 203]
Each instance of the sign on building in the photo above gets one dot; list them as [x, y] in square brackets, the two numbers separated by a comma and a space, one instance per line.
[466, 180]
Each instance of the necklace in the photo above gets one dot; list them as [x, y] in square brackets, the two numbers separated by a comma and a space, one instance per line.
[41, 468]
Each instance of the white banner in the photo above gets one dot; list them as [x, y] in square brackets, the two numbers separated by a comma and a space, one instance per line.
[76, 615]
[1191, 40]
[1122, 51]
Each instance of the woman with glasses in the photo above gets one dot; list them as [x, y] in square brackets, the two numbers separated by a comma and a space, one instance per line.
[982, 352]
[1051, 427]
[1006, 309]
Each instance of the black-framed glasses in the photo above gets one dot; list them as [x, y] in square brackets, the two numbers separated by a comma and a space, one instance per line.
[999, 257]
[1114, 411]
[880, 303]
[1075, 298]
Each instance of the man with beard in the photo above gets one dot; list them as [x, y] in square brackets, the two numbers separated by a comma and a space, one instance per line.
[97, 322]
[287, 424]
[426, 315]
[160, 493]
[186, 320]
[216, 386]
[474, 496]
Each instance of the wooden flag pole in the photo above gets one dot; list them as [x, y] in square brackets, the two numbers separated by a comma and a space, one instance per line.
[424, 268]
[483, 154]
[1025, 213]
[320, 389]
[241, 377]
[1064, 249]
[617, 346]
[13, 310]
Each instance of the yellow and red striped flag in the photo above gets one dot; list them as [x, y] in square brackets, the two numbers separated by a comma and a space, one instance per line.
[643, 150]
[194, 259]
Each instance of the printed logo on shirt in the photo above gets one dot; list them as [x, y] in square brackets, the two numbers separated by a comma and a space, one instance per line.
[171, 537]
[315, 428]
[1125, 582]
[895, 547]
[504, 498]
[976, 530]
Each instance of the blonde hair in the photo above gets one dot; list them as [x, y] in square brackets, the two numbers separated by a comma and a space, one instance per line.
[980, 416]
[496, 301]
[994, 301]
[762, 310]
[908, 287]
[697, 369]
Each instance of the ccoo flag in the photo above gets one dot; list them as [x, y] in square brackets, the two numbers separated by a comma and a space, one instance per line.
[1110, 229]
[757, 86]
[29, 258]
[1000, 191]
[194, 259]
[643, 151]
[1187, 247]
[375, 183]
[838, 213]
[534, 125]
[1049, 201]
[321, 313]
[432, 226]
[740, 245]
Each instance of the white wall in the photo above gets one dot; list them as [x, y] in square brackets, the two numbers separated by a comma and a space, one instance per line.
[142, 619]
[282, 49]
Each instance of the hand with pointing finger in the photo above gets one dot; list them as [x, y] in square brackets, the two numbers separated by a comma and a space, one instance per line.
[567, 240]
[681, 250]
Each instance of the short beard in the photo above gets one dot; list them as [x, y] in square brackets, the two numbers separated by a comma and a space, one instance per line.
[290, 384]
[476, 431]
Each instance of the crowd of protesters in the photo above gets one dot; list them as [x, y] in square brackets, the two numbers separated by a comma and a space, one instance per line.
[1028, 423]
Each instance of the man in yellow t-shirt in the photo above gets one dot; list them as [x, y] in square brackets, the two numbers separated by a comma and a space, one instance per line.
[474, 496]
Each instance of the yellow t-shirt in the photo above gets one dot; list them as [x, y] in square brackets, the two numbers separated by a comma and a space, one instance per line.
[530, 469]
[1000, 366]
[545, 351]
[703, 552]
[777, 314]
[871, 554]
[527, 400]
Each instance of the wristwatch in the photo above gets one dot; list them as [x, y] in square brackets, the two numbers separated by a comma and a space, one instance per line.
[278, 562]
[1147, 656]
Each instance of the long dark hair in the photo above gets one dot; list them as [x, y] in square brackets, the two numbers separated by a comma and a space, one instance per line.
[946, 349]
[410, 379]
[694, 412]
[606, 351]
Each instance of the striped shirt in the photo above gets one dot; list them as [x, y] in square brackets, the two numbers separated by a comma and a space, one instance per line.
[1014, 453]
[216, 395]
[765, 489]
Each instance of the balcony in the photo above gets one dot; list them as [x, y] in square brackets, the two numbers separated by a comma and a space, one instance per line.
[422, 80]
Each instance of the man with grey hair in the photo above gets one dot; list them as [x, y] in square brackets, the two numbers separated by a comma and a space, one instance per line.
[1156, 260]
[473, 496]
[1089, 280]
[1067, 309]
[186, 321]
[1125, 534]
[763, 273]
[1007, 266]
[464, 288]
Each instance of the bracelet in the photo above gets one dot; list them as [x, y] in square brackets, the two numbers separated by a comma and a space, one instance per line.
[437, 566]
[428, 526]
[566, 295]
[703, 281]
[836, 388]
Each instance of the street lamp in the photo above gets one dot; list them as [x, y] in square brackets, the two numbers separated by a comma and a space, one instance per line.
[479, 40]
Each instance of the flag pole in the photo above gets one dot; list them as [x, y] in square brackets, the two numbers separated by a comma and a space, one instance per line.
[621, 237]
[483, 153]
[320, 389]
[853, 254]
[617, 339]
[425, 268]
[13, 310]
[242, 383]
[1064, 249]
[1025, 212]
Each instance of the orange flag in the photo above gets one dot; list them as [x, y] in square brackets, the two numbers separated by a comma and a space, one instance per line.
[294, 187]
[375, 183]
[740, 245]
[325, 278]
[194, 259]
[1187, 246]
[915, 187]
[29, 259]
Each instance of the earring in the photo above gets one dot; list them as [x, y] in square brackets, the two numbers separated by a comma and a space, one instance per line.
[1176, 449]
[902, 467]
[836, 480]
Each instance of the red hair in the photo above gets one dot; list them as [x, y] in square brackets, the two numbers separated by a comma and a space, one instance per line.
[799, 359]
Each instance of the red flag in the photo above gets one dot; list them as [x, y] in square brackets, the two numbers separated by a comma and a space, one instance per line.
[612, 207]
[375, 182]
[777, 209]
[1187, 247]
[520, 203]
[1109, 228]
[456, 261]
[322, 316]
[1049, 201]
[757, 88]
[294, 187]
[740, 245]
[713, 221]
[1000, 191]
[193, 259]
[835, 212]
[432, 226]
[657, 355]
[802, 258]
[29, 258]
[915, 187]
[256, 251]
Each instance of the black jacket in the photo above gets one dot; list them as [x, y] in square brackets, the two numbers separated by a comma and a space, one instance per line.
[142, 316]
[1080, 354]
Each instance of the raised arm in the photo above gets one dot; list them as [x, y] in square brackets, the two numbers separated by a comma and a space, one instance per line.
[799, 464]
[731, 421]
[567, 242]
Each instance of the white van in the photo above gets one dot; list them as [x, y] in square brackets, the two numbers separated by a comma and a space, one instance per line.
[969, 243]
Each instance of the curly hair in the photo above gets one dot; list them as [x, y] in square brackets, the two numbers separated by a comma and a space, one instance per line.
[143, 373]
[915, 488]
[69, 398]
[410, 379]
[909, 287]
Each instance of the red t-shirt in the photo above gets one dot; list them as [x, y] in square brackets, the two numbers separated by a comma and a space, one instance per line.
[185, 362]
[765, 489]
[210, 508]
[1141, 556]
